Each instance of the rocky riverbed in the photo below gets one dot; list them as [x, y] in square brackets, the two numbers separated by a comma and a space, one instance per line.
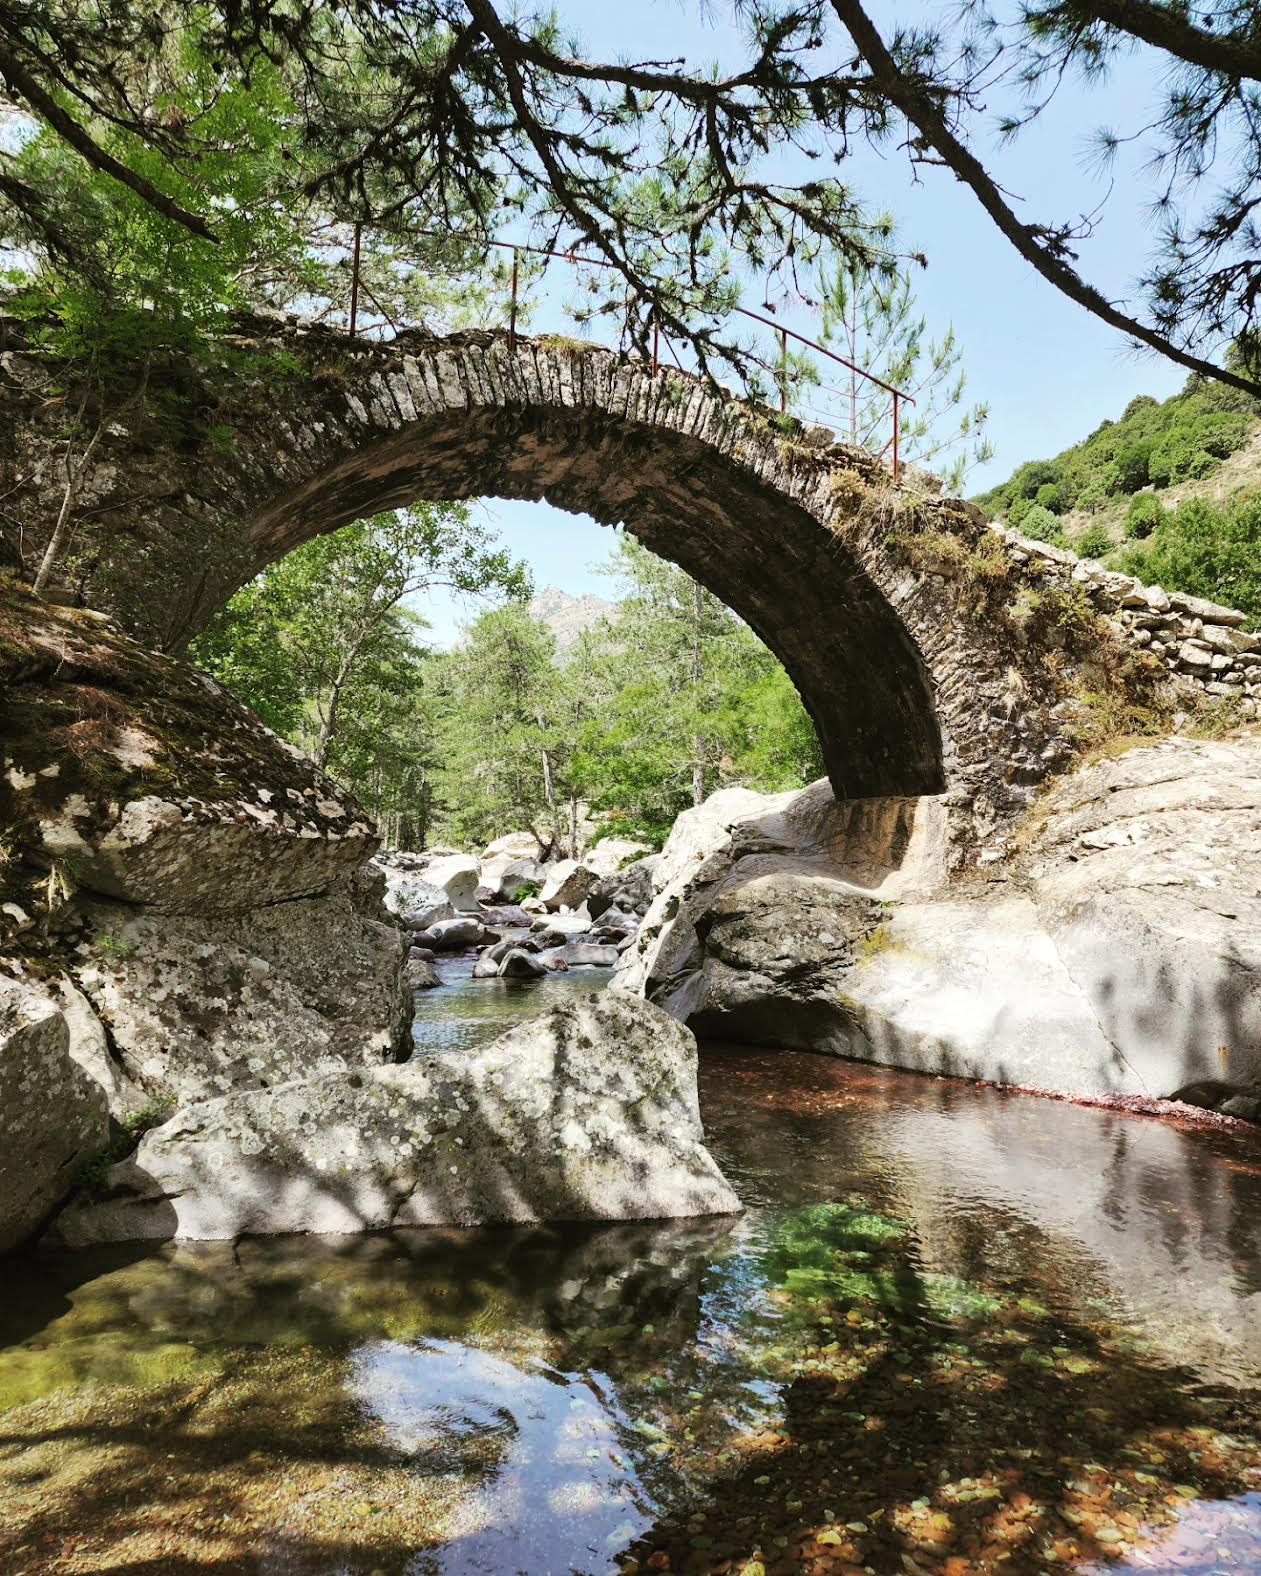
[954, 1329]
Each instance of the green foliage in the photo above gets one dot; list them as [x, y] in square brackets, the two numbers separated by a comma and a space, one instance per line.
[1143, 515]
[667, 699]
[1094, 542]
[1016, 513]
[1207, 551]
[321, 646]
[1130, 467]
[692, 701]
[869, 311]
[1032, 475]
[1154, 443]
[670, 698]
[1040, 525]
[505, 735]
[1049, 496]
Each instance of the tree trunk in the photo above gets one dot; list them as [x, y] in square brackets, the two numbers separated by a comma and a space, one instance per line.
[328, 717]
[549, 793]
[698, 673]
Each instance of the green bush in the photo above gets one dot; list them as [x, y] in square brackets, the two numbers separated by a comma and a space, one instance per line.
[1050, 497]
[1140, 404]
[1017, 512]
[1209, 552]
[1029, 477]
[1094, 542]
[1092, 497]
[1143, 516]
[1129, 470]
[1040, 525]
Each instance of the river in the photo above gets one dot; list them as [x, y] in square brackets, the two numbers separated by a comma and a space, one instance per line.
[955, 1331]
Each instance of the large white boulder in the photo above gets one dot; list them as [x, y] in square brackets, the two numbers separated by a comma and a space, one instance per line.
[519, 851]
[513, 845]
[456, 875]
[53, 1117]
[414, 901]
[1118, 951]
[568, 885]
[588, 1112]
[612, 854]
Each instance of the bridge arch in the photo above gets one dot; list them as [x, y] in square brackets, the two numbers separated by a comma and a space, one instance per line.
[910, 691]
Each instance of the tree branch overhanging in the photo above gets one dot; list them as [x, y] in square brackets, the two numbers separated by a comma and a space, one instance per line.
[1169, 28]
[21, 82]
[911, 99]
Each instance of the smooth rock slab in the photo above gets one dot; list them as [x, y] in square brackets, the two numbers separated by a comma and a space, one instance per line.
[588, 1112]
[52, 1115]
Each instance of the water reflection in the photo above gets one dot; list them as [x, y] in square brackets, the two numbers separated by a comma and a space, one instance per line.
[463, 1013]
[551, 1486]
[953, 1325]
[1218, 1538]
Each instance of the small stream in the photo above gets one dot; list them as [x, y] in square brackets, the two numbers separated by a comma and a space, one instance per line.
[955, 1331]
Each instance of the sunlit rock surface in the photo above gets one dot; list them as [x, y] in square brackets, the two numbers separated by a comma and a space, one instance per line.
[182, 893]
[588, 1112]
[296, 989]
[1117, 950]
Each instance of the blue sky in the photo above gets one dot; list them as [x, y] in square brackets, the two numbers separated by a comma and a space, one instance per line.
[1048, 370]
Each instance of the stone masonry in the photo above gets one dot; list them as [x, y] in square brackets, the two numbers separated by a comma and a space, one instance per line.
[933, 656]
[1198, 642]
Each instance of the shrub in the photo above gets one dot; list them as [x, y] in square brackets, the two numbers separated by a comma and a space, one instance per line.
[1209, 552]
[1050, 497]
[1030, 476]
[1040, 525]
[1094, 542]
[1129, 469]
[1092, 497]
[1143, 516]
[1017, 512]
[1140, 403]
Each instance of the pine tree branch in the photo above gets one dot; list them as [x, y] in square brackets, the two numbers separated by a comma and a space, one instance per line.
[1163, 27]
[21, 82]
[909, 97]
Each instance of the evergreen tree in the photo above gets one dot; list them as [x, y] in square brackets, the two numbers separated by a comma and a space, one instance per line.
[322, 648]
[506, 755]
[870, 315]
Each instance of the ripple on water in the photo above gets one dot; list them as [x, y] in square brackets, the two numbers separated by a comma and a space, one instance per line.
[463, 1013]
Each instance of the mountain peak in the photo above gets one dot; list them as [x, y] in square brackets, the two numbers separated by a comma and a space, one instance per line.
[567, 615]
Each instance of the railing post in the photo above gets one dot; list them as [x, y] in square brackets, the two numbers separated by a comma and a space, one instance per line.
[897, 424]
[512, 321]
[354, 281]
[783, 370]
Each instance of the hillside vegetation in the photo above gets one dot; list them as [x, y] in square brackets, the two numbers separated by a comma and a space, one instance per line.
[1171, 492]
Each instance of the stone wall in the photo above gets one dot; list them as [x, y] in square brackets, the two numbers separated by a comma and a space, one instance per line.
[1199, 643]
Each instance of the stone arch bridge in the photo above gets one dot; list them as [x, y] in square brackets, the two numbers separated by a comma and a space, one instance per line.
[931, 658]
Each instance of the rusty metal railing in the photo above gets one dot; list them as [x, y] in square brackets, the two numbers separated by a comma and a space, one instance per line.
[898, 397]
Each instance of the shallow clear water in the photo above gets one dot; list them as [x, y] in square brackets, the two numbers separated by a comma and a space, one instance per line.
[463, 1012]
[955, 1331]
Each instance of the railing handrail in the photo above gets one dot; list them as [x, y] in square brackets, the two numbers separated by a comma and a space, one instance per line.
[578, 260]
